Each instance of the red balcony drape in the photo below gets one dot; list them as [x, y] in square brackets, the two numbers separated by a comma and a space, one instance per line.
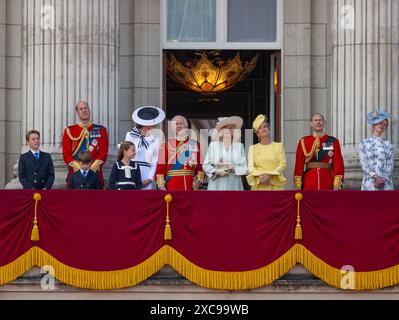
[225, 240]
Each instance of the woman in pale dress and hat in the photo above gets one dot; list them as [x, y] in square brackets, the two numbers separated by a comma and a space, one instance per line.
[266, 159]
[225, 162]
[376, 154]
[147, 145]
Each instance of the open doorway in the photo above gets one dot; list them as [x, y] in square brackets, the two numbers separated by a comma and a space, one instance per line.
[258, 93]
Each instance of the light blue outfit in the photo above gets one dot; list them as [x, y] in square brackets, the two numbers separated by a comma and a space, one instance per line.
[376, 157]
[218, 155]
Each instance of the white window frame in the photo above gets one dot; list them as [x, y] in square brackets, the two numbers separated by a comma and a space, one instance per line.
[221, 32]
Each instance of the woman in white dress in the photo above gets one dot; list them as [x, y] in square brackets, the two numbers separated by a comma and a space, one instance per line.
[376, 154]
[147, 145]
[225, 161]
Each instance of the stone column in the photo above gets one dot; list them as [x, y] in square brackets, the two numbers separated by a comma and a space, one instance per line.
[70, 53]
[296, 77]
[365, 74]
[2, 90]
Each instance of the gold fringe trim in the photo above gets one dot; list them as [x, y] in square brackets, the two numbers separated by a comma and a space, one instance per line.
[100, 280]
[15, 269]
[242, 280]
[361, 280]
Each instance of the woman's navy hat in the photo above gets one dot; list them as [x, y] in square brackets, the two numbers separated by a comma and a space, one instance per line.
[148, 116]
[377, 116]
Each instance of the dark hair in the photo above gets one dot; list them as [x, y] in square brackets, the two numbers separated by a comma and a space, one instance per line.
[30, 132]
[139, 126]
[381, 122]
[85, 157]
[124, 146]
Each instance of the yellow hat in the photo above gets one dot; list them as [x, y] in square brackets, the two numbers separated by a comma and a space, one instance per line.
[258, 122]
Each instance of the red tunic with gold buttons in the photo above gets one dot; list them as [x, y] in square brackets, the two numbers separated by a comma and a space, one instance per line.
[319, 164]
[78, 138]
[179, 162]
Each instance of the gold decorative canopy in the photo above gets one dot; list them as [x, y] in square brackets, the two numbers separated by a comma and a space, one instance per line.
[210, 76]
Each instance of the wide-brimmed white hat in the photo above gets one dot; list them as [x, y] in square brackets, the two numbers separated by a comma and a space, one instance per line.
[148, 116]
[234, 120]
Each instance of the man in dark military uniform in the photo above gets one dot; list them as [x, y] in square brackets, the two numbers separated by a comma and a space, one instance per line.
[35, 167]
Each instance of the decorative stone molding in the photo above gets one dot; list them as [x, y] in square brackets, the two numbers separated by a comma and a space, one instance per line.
[365, 74]
[70, 52]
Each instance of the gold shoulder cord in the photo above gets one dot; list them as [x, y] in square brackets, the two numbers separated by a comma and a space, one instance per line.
[72, 137]
[315, 146]
[83, 134]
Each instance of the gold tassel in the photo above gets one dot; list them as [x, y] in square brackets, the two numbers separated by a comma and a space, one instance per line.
[35, 231]
[298, 228]
[298, 232]
[168, 230]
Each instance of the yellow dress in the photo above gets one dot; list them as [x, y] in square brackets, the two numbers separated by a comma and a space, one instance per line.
[268, 159]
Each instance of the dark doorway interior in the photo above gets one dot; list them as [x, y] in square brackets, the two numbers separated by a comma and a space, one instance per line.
[247, 99]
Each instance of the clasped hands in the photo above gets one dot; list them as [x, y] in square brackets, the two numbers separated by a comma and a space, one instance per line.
[223, 172]
[197, 184]
[379, 182]
[265, 178]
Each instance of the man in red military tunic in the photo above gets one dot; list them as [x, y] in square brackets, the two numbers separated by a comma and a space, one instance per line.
[319, 164]
[85, 136]
[179, 163]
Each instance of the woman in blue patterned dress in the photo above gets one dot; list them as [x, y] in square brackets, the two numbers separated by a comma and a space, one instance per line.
[376, 155]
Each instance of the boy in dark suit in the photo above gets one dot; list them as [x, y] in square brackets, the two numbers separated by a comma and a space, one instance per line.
[35, 167]
[84, 178]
